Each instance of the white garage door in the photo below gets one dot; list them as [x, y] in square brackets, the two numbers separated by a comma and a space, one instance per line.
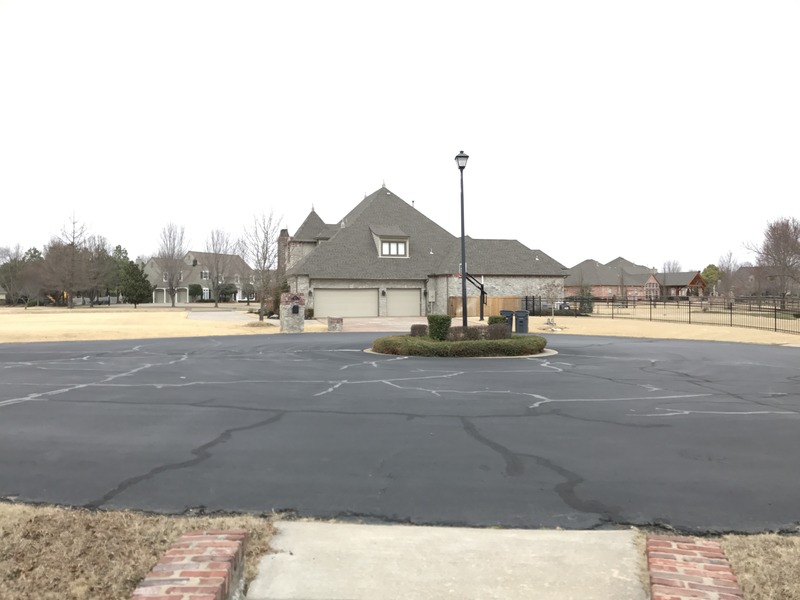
[345, 303]
[402, 303]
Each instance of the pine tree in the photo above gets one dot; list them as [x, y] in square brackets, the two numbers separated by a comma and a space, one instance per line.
[135, 286]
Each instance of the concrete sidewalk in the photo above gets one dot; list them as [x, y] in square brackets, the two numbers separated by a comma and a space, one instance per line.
[345, 561]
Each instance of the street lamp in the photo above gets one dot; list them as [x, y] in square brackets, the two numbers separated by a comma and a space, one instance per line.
[461, 161]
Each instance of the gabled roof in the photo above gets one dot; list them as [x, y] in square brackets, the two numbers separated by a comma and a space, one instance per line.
[351, 253]
[591, 272]
[204, 259]
[616, 272]
[684, 279]
[623, 264]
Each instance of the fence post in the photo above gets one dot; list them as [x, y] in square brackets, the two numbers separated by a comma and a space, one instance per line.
[651, 308]
[776, 317]
[730, 308]
[689, 305]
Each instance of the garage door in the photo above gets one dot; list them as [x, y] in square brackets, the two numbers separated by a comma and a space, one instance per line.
[402, 303]
[345, 303]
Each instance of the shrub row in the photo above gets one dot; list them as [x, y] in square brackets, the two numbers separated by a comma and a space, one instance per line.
[408, 345]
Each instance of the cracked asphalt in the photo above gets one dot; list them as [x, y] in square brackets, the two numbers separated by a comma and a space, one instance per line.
[697, 436]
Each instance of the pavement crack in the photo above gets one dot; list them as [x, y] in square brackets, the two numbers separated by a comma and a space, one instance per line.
[566, 491]
[514, 466]
[201, 453]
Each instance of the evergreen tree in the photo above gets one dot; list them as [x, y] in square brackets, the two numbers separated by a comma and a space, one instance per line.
[135, 286]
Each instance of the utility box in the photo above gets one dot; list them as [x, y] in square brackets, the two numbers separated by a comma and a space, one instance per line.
[293, 312]
[521, 317]
[508, 315]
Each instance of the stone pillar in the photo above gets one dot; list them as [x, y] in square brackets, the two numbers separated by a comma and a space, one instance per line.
[293, 312]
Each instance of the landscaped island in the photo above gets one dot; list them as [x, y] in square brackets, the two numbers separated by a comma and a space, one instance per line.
[438, 338]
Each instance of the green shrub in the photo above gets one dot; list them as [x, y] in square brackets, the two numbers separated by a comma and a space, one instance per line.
[495, 319]
[407, 345]
[309, 313]
[420, 330]
[438, 327]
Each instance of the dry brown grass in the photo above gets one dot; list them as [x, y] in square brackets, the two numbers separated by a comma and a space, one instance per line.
[766, 565]
[49, 553]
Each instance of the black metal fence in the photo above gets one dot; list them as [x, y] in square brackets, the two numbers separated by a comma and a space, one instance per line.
[767, 313]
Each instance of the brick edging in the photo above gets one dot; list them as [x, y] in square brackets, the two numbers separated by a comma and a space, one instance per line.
[200, 565]
[687, 568]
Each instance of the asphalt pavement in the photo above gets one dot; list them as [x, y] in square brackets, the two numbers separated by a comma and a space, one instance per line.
[609, 434]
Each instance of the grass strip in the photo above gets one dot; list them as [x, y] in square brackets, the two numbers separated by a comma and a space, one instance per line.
[51, 553]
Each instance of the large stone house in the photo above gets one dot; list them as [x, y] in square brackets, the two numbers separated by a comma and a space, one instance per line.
[385, 258]
[197, 269]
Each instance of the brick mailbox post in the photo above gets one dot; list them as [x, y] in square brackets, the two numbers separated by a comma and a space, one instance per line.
[293, 312]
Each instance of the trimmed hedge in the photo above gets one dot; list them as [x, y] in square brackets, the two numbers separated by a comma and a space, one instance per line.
[439, 326]
[419, 330]
[495, 319]
[407, 345]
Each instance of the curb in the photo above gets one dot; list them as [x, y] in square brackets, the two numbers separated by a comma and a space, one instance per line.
[686, 568]
[200, 565]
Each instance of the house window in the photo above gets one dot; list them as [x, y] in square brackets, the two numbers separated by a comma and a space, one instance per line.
[205, 274]
[393, 249]
[236, 279]
[165, 277]
[180, 276]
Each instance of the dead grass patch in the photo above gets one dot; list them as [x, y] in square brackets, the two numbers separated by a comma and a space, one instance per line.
[766, 565]
[50, 553]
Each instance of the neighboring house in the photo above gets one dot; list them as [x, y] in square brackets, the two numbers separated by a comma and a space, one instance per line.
[618, 278]
[2, 294]
[762, 281]
[689, 283]
[385, 258]
[197, 269]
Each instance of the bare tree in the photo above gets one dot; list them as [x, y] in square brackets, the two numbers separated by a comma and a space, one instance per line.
[12, 266]
[221, 250]
[728, 266]
[780, 251]
[169, 257]
[671, 266]
[260, 245]
[64, 264]
[99, 266]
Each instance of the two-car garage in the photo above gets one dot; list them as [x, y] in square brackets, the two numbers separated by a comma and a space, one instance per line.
[365, 302]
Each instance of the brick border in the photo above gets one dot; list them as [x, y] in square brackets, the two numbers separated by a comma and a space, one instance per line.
[200, 565]
[687, 568]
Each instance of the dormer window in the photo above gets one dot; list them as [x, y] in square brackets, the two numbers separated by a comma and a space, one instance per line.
[393, 249]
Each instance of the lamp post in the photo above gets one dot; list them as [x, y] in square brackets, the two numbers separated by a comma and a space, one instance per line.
[461, 161]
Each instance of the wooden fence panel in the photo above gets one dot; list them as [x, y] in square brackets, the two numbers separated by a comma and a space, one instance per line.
[494, 304]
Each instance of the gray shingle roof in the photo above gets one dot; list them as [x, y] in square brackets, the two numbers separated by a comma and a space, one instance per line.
[500, 257]
[311, 228]
[617, 272]
[351, 252]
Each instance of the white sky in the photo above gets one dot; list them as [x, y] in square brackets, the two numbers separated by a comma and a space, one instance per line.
[653, 130]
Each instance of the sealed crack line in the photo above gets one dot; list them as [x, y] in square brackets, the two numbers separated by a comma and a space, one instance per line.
[201, 453]
[514, 465]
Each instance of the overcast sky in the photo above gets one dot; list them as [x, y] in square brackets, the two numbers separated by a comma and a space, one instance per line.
[652, 130]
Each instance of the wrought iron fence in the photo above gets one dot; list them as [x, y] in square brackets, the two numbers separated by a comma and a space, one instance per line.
[768, 313]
